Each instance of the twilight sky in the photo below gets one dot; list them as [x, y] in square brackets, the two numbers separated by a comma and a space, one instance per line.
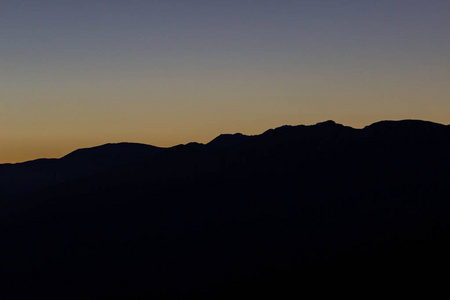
[82, 73]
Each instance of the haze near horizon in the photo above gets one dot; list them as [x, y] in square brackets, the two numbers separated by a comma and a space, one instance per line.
[84, 73]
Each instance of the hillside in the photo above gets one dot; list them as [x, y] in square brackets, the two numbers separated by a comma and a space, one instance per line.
[291, 210]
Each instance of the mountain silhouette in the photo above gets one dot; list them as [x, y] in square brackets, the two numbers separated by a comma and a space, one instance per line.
[21, 178]
[34, 175]
[226, 140]
[295, 210]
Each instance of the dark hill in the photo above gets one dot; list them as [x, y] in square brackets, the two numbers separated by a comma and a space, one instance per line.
[34, 175]
[22, 178]
[111, 152]
[296, 210]
[226, 140]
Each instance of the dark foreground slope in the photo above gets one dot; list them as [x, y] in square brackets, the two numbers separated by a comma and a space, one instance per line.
[31, 176]
[298, 209]
[34, 175]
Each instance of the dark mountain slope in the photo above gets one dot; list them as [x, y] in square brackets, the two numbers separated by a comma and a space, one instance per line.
[22, 178]
[226, 140]
[34, 175]
[296, 209]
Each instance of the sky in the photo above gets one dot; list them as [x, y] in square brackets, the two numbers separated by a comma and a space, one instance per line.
[76, 74]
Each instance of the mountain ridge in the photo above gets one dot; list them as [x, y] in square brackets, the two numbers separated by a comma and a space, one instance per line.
[44, 172]
[328, 123]
[293, 209]
[20, 178]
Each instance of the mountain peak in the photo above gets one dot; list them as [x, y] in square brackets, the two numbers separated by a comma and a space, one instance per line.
[326, 123]
[409, 125]
[226, 140]
[110, 149]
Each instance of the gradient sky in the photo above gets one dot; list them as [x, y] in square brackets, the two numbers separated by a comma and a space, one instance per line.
[82, 73]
